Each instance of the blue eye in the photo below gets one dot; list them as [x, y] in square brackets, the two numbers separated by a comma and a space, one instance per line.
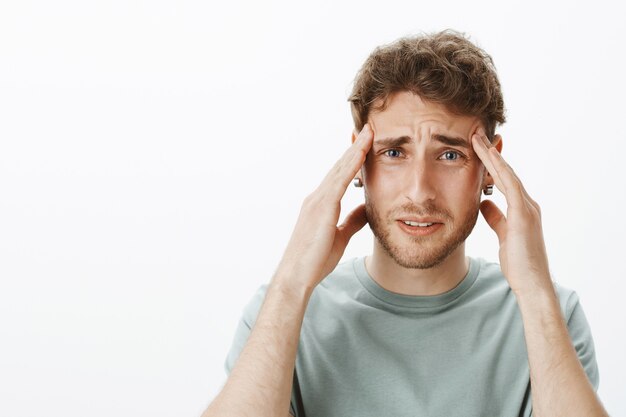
[394, 153]
[451, 155]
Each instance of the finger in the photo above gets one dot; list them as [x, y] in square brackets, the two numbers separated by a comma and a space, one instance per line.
[494, 218]
[515, 196]
[482, 150]
[508, 167]
[337, 180]
[503, 166]
[353, 222]
[505, 181]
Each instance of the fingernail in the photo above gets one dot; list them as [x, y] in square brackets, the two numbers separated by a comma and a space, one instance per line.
[366, 127]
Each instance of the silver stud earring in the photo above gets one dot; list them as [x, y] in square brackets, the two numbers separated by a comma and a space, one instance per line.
[488, 190]
[357, 182]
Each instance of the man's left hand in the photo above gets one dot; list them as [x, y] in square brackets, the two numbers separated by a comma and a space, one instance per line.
[523, 257]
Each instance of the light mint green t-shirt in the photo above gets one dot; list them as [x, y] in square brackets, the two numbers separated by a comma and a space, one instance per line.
[365, 351]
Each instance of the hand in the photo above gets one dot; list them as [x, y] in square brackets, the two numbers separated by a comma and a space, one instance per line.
[523, 257]
[317, 243]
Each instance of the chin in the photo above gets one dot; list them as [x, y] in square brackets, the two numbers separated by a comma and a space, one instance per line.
[417, 256]
[420, 252]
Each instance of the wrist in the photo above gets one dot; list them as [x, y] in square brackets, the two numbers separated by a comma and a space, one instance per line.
[531, 286]
[292, 281]
[537, 299]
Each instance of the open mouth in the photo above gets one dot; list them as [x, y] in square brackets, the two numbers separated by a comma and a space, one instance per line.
[415, 228]
[416, 224]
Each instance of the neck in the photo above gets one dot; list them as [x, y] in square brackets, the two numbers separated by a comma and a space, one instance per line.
[433, 281]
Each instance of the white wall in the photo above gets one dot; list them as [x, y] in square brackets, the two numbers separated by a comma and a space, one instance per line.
[154, 154]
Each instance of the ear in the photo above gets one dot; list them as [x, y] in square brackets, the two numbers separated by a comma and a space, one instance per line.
[497, 142]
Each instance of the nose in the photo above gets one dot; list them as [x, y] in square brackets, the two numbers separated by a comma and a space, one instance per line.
[420, 183]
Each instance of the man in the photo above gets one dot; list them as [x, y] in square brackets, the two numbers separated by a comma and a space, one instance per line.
[417, 328]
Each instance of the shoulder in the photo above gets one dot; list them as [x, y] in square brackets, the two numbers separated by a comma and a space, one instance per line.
[568, 299]
[343, 274]
[341, 278]
[252, 308]
[491, 278]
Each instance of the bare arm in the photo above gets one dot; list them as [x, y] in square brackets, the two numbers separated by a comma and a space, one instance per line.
[559, 384]
[261, 380]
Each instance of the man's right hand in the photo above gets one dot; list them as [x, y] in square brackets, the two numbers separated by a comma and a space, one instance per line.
[263, 372]
[317, 242]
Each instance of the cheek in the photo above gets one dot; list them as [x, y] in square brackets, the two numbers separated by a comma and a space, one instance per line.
[468, 175]
[384, 179]
[382, 187]
[462, 180]
[461, 188]
[469, 182]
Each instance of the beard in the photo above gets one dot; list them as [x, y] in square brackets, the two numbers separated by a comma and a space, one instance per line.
[422, 252]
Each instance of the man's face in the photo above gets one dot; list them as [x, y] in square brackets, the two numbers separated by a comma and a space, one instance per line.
[412, 175]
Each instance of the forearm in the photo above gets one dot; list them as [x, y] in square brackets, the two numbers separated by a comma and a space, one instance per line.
[559, 384]
[261, 381]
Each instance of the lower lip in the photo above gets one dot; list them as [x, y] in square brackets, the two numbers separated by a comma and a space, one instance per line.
[419, 231]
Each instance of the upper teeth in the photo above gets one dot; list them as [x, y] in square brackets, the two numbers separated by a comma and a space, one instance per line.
[417, 224]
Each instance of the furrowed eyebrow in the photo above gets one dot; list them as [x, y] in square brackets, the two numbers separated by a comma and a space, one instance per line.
[451, 141]
[402, 140]
[394, 142]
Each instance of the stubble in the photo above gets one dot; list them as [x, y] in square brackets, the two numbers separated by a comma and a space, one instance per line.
[420, 252]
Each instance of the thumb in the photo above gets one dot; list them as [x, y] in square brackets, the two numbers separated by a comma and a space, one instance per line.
[494, 217]
[353, 222]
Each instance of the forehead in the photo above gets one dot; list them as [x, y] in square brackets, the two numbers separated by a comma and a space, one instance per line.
[408, 114]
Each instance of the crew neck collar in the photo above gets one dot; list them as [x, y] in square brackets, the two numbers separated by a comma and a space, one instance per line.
[415, 301]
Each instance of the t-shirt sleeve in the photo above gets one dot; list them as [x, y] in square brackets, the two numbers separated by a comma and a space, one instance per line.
[244, 327]
[580, 334]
